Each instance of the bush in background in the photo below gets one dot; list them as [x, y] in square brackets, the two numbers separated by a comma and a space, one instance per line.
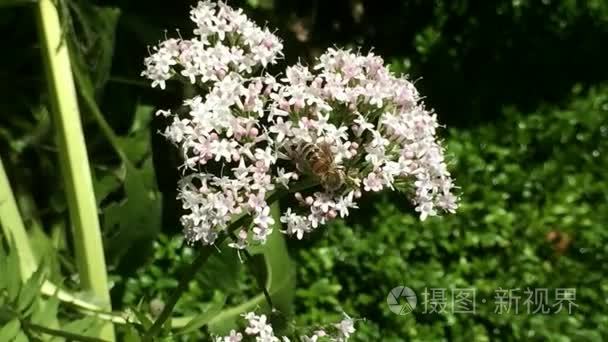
[533, 215]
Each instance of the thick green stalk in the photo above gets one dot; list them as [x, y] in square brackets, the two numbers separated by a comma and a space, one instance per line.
[74, 160]
[14, 230]
[13, 227]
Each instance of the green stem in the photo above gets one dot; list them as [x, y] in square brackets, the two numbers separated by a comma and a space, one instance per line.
[255, 272]
[84, 83]
[74, 160]
[188, 275]
[14, 230]
[60, 333]
[276, 258]
[13, 227]
[205, 252]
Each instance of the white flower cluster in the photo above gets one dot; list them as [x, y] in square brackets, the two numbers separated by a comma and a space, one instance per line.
[374, 128]
[260, 329]
[225, 40]
[345, 127]
[227, 157]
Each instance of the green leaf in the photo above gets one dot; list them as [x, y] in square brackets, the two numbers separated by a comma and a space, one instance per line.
[13, 283]
[105, 184]
[46, 315]
[143, 318]
[95, 43]
[136, 144]
[44, 249]
[10, 330]
[31, 290]
[221, 269]
[132, 334]
[3, 266]
[280, 282]
[87, 326]
[21, 337]
[212, 310]
[136, 220]
[6, 314]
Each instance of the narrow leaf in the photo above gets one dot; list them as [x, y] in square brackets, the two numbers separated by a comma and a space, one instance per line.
[21, 337]
[143, 318]
[30, 290]
[86, 326]
[204, 318]
[14, 281]
[10, 330]
[47, 313]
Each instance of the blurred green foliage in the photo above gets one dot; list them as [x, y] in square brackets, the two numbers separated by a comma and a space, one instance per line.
[533, 215]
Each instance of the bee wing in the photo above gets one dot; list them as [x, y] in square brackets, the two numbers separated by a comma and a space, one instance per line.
[282, 155]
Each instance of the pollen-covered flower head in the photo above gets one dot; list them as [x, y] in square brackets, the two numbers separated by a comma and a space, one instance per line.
[322, 136]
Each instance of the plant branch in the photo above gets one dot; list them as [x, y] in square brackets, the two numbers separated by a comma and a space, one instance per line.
[73, 156]
[255, 273]
[206, 252]
[60, 333]
[13, 227]
[89, 100]
[189, 274]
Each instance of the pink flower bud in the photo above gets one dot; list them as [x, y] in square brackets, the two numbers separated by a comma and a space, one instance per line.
[253, 132]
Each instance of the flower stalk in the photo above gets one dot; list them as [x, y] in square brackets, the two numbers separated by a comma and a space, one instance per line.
[73, 159]
[188, 275]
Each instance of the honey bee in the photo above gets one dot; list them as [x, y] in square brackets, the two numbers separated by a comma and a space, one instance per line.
[318, 160]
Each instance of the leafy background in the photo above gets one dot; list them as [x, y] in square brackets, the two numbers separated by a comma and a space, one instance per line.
[521, 86]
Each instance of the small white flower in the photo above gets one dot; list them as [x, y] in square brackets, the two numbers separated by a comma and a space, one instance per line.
[223, 148]
[372, 182]
[265, 155]
[283, 177]
[282, 129]
[296, 224]
[233, 337]
[241, 242]
[362, 125]
[346, 327]
[263, 218]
